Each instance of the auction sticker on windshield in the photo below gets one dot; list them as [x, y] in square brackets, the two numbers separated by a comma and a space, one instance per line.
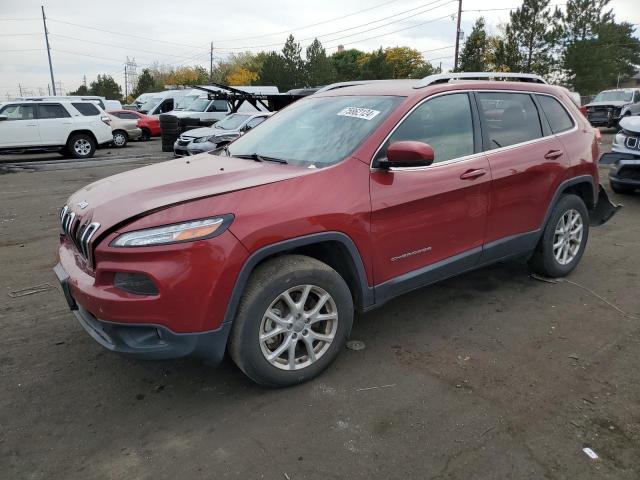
[358, 112]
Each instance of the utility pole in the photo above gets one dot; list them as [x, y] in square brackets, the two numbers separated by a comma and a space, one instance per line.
[20, 88]
[455, 63]
[126, 94]
[84, 81]
[46, 38]
[211, 64]
[48, 89]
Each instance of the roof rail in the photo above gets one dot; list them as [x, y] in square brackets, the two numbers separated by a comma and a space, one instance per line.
[508, 76]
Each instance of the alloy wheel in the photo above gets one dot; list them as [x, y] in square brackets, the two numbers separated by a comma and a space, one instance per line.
[82, 147]
[298, 327]
[567, 237]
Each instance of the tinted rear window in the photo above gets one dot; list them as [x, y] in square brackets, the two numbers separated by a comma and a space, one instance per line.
[86, 109]
[559, 119]
[509, 118]
[52, 111]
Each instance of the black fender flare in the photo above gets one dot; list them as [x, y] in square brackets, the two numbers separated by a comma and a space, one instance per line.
[366, 292]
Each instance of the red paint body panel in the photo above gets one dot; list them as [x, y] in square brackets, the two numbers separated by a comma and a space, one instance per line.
[150, 122]
[417, 217]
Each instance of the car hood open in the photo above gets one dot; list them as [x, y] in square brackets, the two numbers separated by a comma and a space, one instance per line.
[115, 199]
[611, 103]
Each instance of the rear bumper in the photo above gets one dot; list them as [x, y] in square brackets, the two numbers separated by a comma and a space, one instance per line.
[146, 341]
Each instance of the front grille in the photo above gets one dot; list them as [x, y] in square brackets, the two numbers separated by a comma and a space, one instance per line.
[630, 173]
[79, 234]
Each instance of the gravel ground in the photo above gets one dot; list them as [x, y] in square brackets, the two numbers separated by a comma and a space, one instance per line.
[492, 375]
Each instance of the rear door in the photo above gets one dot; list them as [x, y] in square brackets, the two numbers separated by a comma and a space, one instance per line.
[54, 123]
[526, 161]
[20, 129]
[429, 222]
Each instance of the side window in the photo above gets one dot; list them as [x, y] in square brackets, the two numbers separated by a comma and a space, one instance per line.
[18, 112]
[218, 106]
[636, 96]
[254, 122]
[54, 110]
[443, 122]
[509, 118]
[558, 117]
[86, 109]
[125, 115]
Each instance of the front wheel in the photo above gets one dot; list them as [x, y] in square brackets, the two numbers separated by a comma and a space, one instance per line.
[564, 238]
[294, 318]
[146, 135]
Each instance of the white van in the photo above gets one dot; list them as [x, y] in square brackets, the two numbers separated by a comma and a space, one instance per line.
[162, 102]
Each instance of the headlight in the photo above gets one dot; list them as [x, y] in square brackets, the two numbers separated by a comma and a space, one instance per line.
[200, 139]
[179, 232]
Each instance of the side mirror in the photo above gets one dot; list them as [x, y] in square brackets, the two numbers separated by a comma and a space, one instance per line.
[3, 117]
[409, 154]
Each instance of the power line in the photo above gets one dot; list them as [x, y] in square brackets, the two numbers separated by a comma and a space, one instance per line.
[352, 28]
[508, 8]
[436, 49]
[452, 15]
[23, 50]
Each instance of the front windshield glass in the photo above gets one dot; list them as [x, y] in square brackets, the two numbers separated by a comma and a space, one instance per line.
[318, 131]
[614, 96]
[232, 122]
[198, 105]
[185, 102]
[150, 104]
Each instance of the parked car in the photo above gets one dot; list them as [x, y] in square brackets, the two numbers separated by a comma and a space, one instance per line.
[70, 127]
[101, 101]
[200, 140]
[123, 131]
[149, 124]
[340, 202]
[624, 158]
[609, 106]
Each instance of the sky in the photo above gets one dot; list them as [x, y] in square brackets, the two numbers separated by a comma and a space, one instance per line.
[89, 37]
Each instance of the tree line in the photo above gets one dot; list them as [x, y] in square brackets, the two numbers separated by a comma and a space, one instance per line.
[584, 48]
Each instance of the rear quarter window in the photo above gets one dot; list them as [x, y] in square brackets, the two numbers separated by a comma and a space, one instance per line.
[559, 119]
[509, 118]
[86, 109]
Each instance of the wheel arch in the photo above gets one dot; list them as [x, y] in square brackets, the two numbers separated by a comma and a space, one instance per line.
[336, 249]
[85, 132]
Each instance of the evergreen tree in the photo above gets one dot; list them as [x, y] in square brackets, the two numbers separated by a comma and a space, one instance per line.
[106, 86]
[293, 64]
[146, 83]
[273, 72]
[374, 66]
[319, 69]
[504, 52]
[537, 32]
[475, 53]
[82, 90]
[347, 64]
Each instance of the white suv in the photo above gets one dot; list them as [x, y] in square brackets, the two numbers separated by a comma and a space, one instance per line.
[75, 128]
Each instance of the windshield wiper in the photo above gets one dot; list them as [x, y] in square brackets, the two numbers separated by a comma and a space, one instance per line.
[261, 158]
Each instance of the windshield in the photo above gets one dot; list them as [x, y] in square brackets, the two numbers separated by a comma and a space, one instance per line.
[150, 104]
[198, 105]
[185, 102]
[232, 122]
[320, 131]
[614, 96]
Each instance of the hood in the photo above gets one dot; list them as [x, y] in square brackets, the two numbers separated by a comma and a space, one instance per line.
[612, 103]
[200, 132]
[113, 200]
[631, 124]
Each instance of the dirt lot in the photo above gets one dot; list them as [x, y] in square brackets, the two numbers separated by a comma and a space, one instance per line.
[490, 376]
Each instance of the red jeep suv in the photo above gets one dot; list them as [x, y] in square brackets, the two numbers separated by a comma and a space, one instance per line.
[336, 204]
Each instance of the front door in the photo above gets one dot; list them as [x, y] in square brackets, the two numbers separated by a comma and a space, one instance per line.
[428, 222]
[20, 129]
[54, 123]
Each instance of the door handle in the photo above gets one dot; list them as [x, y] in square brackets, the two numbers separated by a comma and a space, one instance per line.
[553, 154]
[473, 174]
[31, 125]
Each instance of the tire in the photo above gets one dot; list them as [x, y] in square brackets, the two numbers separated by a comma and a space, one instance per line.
[120, 138]
[561, 261]
[264, 292]
[81, 145]
[146, 135]
[621, 189]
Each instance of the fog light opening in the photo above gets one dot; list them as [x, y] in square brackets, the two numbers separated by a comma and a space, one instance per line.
[136, 283]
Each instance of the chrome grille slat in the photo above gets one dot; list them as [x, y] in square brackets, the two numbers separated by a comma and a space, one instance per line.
[79, 234]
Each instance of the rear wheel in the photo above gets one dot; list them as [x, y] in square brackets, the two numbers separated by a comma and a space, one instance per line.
[564, 238]
[120, 138]
[620, 188]
[293, 320]
[81, 145]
